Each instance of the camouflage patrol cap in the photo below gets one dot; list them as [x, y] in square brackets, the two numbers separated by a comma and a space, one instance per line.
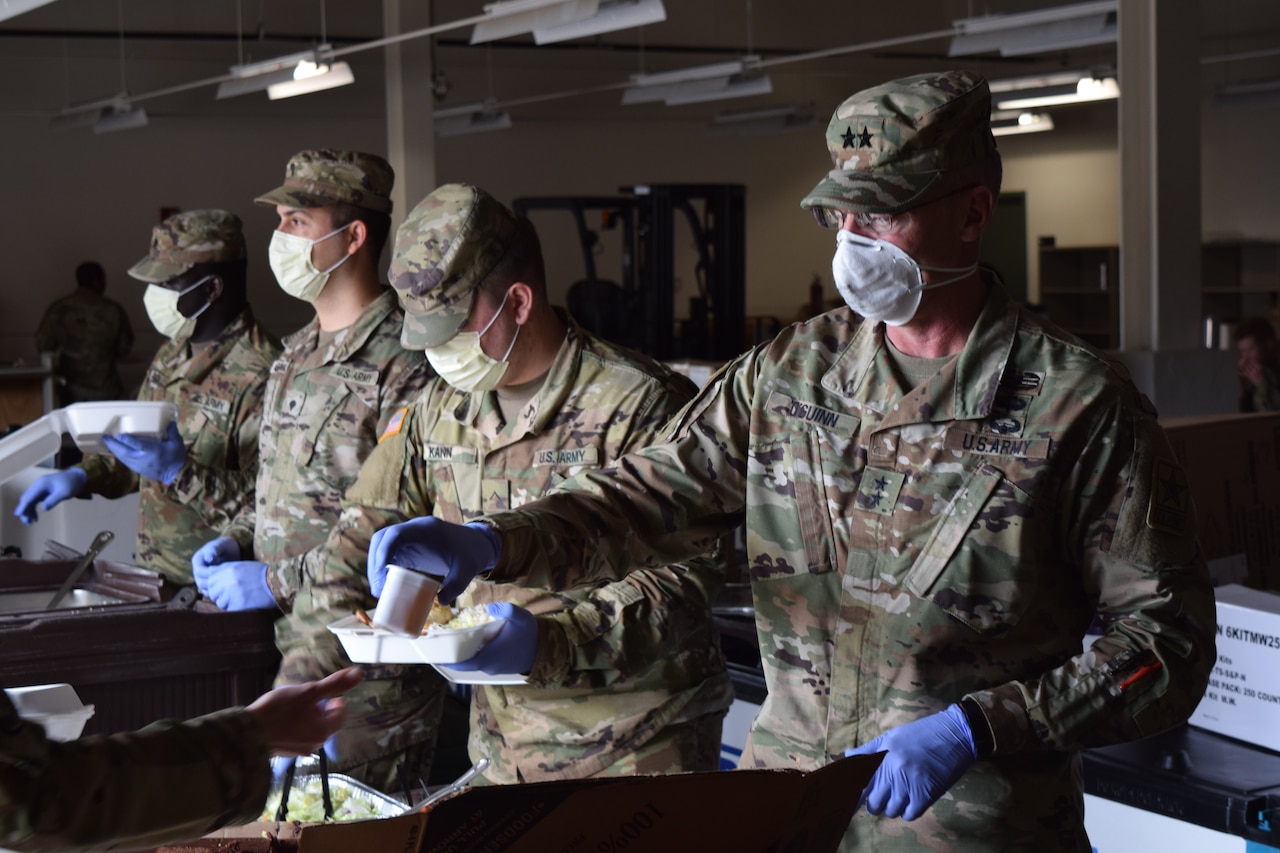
[895, 145]
[325, 176]
[189, 238]
[444, 249]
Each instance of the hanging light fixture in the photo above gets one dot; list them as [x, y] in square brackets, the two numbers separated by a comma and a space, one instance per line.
[779, 119]
[1055, 28]
[13, 8]
[470, 118]
[309, 76]
[1011, 122]
[700, 84]
[560, 20]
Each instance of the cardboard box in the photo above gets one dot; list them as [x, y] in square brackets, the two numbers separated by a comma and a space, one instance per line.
[1243, 697]
[739, 810]
[1232, 464]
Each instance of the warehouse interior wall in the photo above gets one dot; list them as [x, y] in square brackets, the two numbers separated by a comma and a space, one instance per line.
[72, 195]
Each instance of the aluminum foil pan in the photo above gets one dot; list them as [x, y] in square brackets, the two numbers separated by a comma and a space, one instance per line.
[352, 800]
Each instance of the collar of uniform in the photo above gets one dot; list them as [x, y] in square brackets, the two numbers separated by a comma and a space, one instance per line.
[481, 409]
[977, 369]
[357, 334]
[203, 361]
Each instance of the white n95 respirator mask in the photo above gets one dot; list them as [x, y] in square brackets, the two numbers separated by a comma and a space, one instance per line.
[880, 281]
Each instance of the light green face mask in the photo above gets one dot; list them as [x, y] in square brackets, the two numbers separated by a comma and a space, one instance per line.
[290, 258]
[463, 363]
[162, 309]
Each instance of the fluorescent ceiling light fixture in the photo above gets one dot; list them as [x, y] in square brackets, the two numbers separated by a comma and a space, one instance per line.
[470, 118]
[126, 119]
[613, 15]
[736, 79]
[1010, 122]
[311, 77]
[779, 119]
[256, 83]
[1056, 28]
[77, 118]
[13, 8]
[1085, 90]
[517, 17]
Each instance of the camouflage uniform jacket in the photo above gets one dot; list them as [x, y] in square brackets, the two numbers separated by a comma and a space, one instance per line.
[89, 332]
[616, 662]
[910, 547]
[218, 392]
[167, 782]
[1266, 396]
[322, 413]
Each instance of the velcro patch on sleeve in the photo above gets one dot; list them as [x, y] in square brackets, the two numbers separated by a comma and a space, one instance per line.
[1169, 506]
[394, 425]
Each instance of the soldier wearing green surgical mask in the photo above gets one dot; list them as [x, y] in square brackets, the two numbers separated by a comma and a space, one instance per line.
[213, 367]
[339, 380]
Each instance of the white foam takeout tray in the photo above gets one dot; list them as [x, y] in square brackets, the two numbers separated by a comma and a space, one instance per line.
[368, 644]
[54, 706]
[87, 423]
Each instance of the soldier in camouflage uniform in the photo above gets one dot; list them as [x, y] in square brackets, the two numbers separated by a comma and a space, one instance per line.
[628, 677]
[329, 395]
[1259, 365]
[937, 507]
[167, 782]
[214, 369]
[86, 332]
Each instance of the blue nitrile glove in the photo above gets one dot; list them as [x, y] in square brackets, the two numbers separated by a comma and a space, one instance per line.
[215, 552]
[512, 650]
[456, 552]
[154, 458]
[53, 489]
[238, 585]
[926, 757]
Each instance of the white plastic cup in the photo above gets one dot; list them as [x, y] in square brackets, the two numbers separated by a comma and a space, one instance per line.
[406, 601]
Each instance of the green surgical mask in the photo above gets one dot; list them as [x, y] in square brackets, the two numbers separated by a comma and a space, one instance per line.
[463, 363]
[162, 309]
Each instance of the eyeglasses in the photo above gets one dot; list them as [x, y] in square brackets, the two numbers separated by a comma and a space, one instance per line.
[876, 223]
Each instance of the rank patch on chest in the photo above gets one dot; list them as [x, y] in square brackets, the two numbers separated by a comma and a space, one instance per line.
[567, 456]
[878, 491]
[1170, 498]
[792, 409]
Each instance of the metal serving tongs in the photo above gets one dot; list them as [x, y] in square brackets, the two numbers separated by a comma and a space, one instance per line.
[100, 541]
[453, 787]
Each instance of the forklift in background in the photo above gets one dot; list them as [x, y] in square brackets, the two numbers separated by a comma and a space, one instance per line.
[639, 312]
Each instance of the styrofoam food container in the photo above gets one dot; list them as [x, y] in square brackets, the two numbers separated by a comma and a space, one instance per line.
[54, 706]
[458, 677]
[369, 644]
[87, 423]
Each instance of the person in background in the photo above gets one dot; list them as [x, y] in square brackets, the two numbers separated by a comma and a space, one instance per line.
[623, 678]
[330, 395]
[86, 333]
[213, 367]
[942, 493]
[167, 782]
[1259, 365]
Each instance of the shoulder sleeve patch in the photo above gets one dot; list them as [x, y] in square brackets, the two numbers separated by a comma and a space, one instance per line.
[1170, 502]
[394, 425]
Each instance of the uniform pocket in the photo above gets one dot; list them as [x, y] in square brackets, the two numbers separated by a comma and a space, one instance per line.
[787, 500]
[971, 565]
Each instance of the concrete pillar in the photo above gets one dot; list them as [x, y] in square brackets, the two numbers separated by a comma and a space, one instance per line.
[1159, 73]
[410, 103]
